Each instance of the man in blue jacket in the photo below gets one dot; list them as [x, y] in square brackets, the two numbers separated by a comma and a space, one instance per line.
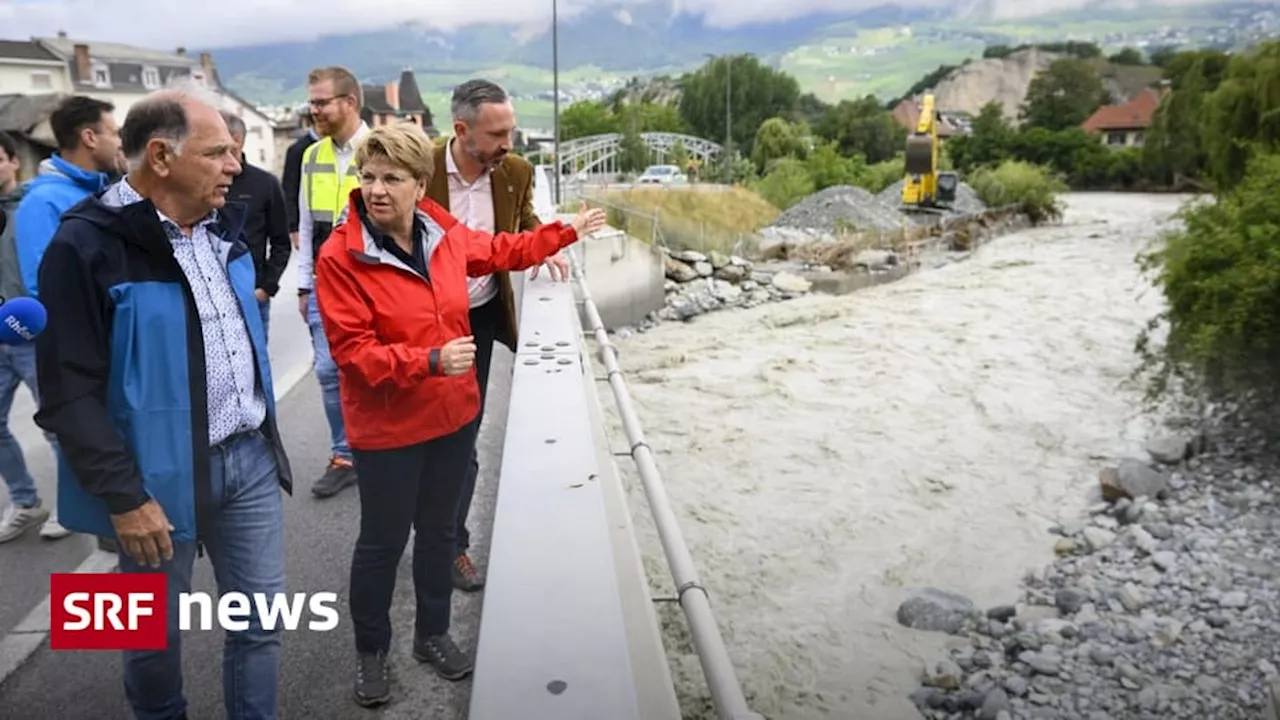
[154, 376]
[89, 142]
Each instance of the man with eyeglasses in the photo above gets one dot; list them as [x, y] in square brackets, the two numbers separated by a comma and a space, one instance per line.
[327, 179]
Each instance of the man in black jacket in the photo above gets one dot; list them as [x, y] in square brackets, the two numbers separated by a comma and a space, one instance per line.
[266, 227]
[293, 179]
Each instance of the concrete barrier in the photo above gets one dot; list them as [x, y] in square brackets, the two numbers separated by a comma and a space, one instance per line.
[567, 629]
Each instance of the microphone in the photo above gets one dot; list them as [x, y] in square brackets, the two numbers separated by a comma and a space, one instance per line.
[21, 320]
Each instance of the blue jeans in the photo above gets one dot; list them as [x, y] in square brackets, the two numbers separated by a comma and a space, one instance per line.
[264, 306]
[246, 547]
[327, 374]
[17, 367]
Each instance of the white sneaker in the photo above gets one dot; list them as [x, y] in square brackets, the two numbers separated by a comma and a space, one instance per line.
[17, 520]
[52, 529]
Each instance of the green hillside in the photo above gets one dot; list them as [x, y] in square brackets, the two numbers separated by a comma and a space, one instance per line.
[840, 60]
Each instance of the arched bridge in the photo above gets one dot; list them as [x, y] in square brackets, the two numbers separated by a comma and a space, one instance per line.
[602, 153]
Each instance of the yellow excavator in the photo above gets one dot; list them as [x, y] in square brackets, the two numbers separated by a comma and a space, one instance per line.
[926, 189]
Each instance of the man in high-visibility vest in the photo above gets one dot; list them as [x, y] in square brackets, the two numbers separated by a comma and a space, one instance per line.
[327, 179]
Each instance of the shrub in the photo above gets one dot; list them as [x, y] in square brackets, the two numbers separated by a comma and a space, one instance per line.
[787, 183]
[1220, 274]
[1014, 182]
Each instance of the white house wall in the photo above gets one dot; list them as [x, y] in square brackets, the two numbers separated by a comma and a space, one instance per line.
[30, 77]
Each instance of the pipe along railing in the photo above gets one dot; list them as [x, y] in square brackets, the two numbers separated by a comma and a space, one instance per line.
[722, 679]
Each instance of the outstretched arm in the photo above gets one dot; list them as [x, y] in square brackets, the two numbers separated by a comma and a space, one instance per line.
[488, 254]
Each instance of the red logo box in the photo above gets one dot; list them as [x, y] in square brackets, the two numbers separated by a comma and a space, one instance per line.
[108, 611]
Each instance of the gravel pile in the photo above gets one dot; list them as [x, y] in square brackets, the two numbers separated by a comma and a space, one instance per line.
[1161, 604]
[845, 208]
[841, 208]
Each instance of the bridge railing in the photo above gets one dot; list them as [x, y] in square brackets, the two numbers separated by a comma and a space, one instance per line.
[722, 680]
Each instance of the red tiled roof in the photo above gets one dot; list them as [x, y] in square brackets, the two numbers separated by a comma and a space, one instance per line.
[1136, 113]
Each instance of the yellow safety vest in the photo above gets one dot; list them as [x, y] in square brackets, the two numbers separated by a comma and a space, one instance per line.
[327, 194]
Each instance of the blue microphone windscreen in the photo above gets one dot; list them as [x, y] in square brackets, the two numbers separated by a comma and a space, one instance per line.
[21, 320]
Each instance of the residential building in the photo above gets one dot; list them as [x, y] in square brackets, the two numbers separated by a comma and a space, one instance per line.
[28, 67]
[396, 102]
[122, 75]
[1125, 125]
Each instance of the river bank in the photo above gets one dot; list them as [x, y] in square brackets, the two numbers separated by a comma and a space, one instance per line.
[829, 454]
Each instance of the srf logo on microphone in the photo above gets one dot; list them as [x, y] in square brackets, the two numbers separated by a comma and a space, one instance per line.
[130, 611]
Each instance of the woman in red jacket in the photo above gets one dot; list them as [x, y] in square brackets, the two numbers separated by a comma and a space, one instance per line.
[391, 283]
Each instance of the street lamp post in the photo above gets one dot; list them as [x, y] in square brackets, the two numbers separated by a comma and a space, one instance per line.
[555, 90]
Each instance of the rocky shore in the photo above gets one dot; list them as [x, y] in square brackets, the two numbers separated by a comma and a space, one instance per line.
[1162, 603]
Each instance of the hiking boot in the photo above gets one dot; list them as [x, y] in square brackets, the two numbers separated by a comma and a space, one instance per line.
[52, 529]
[443, 655]
[339, 476]
[373, 679]
[17, 520]
[465, 575]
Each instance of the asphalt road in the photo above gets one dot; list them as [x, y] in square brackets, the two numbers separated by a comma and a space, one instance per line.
[317, 668]
[25, 563]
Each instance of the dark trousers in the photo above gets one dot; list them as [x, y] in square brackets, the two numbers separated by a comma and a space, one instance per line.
[415, 486]
[484, 327]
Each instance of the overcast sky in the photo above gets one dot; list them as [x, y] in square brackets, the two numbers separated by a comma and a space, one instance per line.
[165, 24]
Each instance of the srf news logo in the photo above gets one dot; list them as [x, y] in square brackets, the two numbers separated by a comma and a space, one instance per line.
[129, 611]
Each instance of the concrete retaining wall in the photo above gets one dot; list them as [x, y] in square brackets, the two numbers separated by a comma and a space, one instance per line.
[625, 275]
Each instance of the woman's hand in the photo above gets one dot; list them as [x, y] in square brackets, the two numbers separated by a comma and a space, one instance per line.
[588, 220]
[458, 355]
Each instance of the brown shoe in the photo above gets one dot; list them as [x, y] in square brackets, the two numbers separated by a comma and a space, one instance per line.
[465, 575]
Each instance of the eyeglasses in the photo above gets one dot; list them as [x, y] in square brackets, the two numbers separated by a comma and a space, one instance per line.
[322, 103]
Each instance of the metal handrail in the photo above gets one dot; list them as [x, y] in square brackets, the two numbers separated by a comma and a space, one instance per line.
[722, 679]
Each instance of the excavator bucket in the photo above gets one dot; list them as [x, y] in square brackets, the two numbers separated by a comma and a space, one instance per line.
[919, 158]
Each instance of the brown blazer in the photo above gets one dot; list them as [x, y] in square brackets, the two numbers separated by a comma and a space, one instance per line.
[512, 183]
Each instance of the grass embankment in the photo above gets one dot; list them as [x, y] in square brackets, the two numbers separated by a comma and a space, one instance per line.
[691, 219]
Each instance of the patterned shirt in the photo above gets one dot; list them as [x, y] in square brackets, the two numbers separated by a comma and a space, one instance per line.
[236, 402]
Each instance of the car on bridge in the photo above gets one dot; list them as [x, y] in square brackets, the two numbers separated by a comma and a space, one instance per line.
[662, 175]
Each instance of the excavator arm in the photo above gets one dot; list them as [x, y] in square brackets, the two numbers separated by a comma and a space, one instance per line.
[925, 187]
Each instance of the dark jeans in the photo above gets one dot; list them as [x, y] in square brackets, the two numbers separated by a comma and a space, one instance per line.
[415, 486]
[484, 327]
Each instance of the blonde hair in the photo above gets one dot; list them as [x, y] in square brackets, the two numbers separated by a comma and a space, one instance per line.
[403, 145]
[344, 82]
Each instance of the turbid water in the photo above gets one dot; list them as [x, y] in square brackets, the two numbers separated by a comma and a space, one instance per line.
[827, 454]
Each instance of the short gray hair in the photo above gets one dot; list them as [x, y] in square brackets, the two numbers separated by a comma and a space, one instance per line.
[235, 124]
[163, 115]
[470, 95]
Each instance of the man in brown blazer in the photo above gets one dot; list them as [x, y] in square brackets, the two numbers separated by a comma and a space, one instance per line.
[487, 189]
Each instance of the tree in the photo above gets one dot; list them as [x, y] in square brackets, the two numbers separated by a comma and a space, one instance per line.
[989, 142]
[776, 139]
[1242, 115]
[828, 168]
[584, 119]
[757, 92]
[651, 117]
[1128, 56]
[864, 128]
[633, 153]
[1064, 95]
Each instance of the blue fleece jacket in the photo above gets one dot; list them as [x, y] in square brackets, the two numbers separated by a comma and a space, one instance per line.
[58, 186]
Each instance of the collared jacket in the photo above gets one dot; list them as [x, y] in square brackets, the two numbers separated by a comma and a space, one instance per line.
[386, 323]
[57, 186]
[121, 367]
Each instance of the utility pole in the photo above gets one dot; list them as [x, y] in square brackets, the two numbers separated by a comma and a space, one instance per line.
[555, 84]
[728, 108]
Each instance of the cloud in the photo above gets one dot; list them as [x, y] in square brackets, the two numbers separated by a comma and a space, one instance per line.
[164, 24]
